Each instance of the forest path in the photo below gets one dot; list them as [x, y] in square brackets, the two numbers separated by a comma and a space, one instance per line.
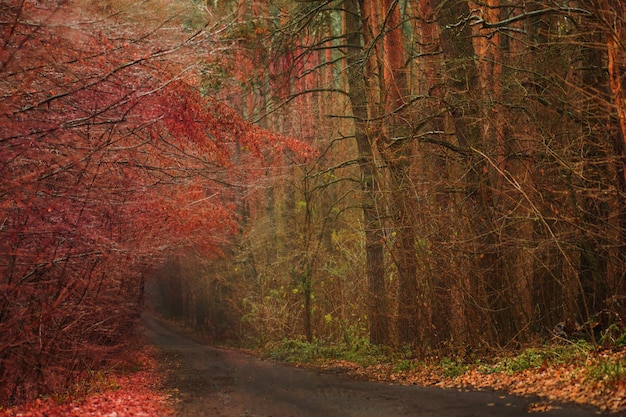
[218, 382]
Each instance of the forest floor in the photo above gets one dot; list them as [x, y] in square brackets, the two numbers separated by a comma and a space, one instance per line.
[596, 378]
[551, 383]
[133, 390]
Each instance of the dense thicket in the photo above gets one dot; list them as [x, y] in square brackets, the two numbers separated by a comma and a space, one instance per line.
[469, 190]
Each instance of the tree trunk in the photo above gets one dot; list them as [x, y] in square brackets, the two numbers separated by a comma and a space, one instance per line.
[395, 145]
[461, 96]
[379, 332]
[615, 22]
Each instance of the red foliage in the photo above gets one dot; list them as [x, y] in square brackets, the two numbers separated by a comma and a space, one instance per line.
[131, 395]
[108, 162]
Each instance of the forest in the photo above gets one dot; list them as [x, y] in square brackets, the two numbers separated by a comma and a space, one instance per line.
[445, 177]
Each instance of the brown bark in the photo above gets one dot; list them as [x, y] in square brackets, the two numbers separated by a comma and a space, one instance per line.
[395, 146]
[373, 231]
[461, 96]
[616, 43]
[616, 53]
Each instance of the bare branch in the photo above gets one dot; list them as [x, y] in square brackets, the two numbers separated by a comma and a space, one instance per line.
[474, 19]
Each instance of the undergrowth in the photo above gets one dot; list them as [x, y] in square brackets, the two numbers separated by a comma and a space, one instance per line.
[610, 370]
[300, 351]
[534, 358]
[580, 354]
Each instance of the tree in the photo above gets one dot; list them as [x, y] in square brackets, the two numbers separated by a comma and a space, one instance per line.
[110, 158]
[486, 142]
[355, 59]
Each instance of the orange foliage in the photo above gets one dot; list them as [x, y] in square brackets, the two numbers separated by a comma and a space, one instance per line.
[134, 394]
[109, 162]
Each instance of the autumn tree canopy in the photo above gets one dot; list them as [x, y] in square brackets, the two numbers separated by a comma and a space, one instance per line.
[110, 160]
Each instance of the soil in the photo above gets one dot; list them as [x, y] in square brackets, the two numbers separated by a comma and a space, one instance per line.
[219, 382]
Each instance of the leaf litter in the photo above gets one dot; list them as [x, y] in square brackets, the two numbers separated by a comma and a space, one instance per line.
[123, 394]
[599, 380]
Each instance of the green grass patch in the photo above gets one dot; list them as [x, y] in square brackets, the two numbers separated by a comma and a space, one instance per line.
[300, 351]
[451, 368]
[404, 365]
[534, 358]
[611, 370]
[401, 361]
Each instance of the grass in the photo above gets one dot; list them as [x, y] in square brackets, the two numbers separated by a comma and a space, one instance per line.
[451, 368]
[300, 351]
[366, 354]
[534, 358]
[609, 370]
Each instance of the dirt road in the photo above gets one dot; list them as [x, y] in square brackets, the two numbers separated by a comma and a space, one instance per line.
[209, 381]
